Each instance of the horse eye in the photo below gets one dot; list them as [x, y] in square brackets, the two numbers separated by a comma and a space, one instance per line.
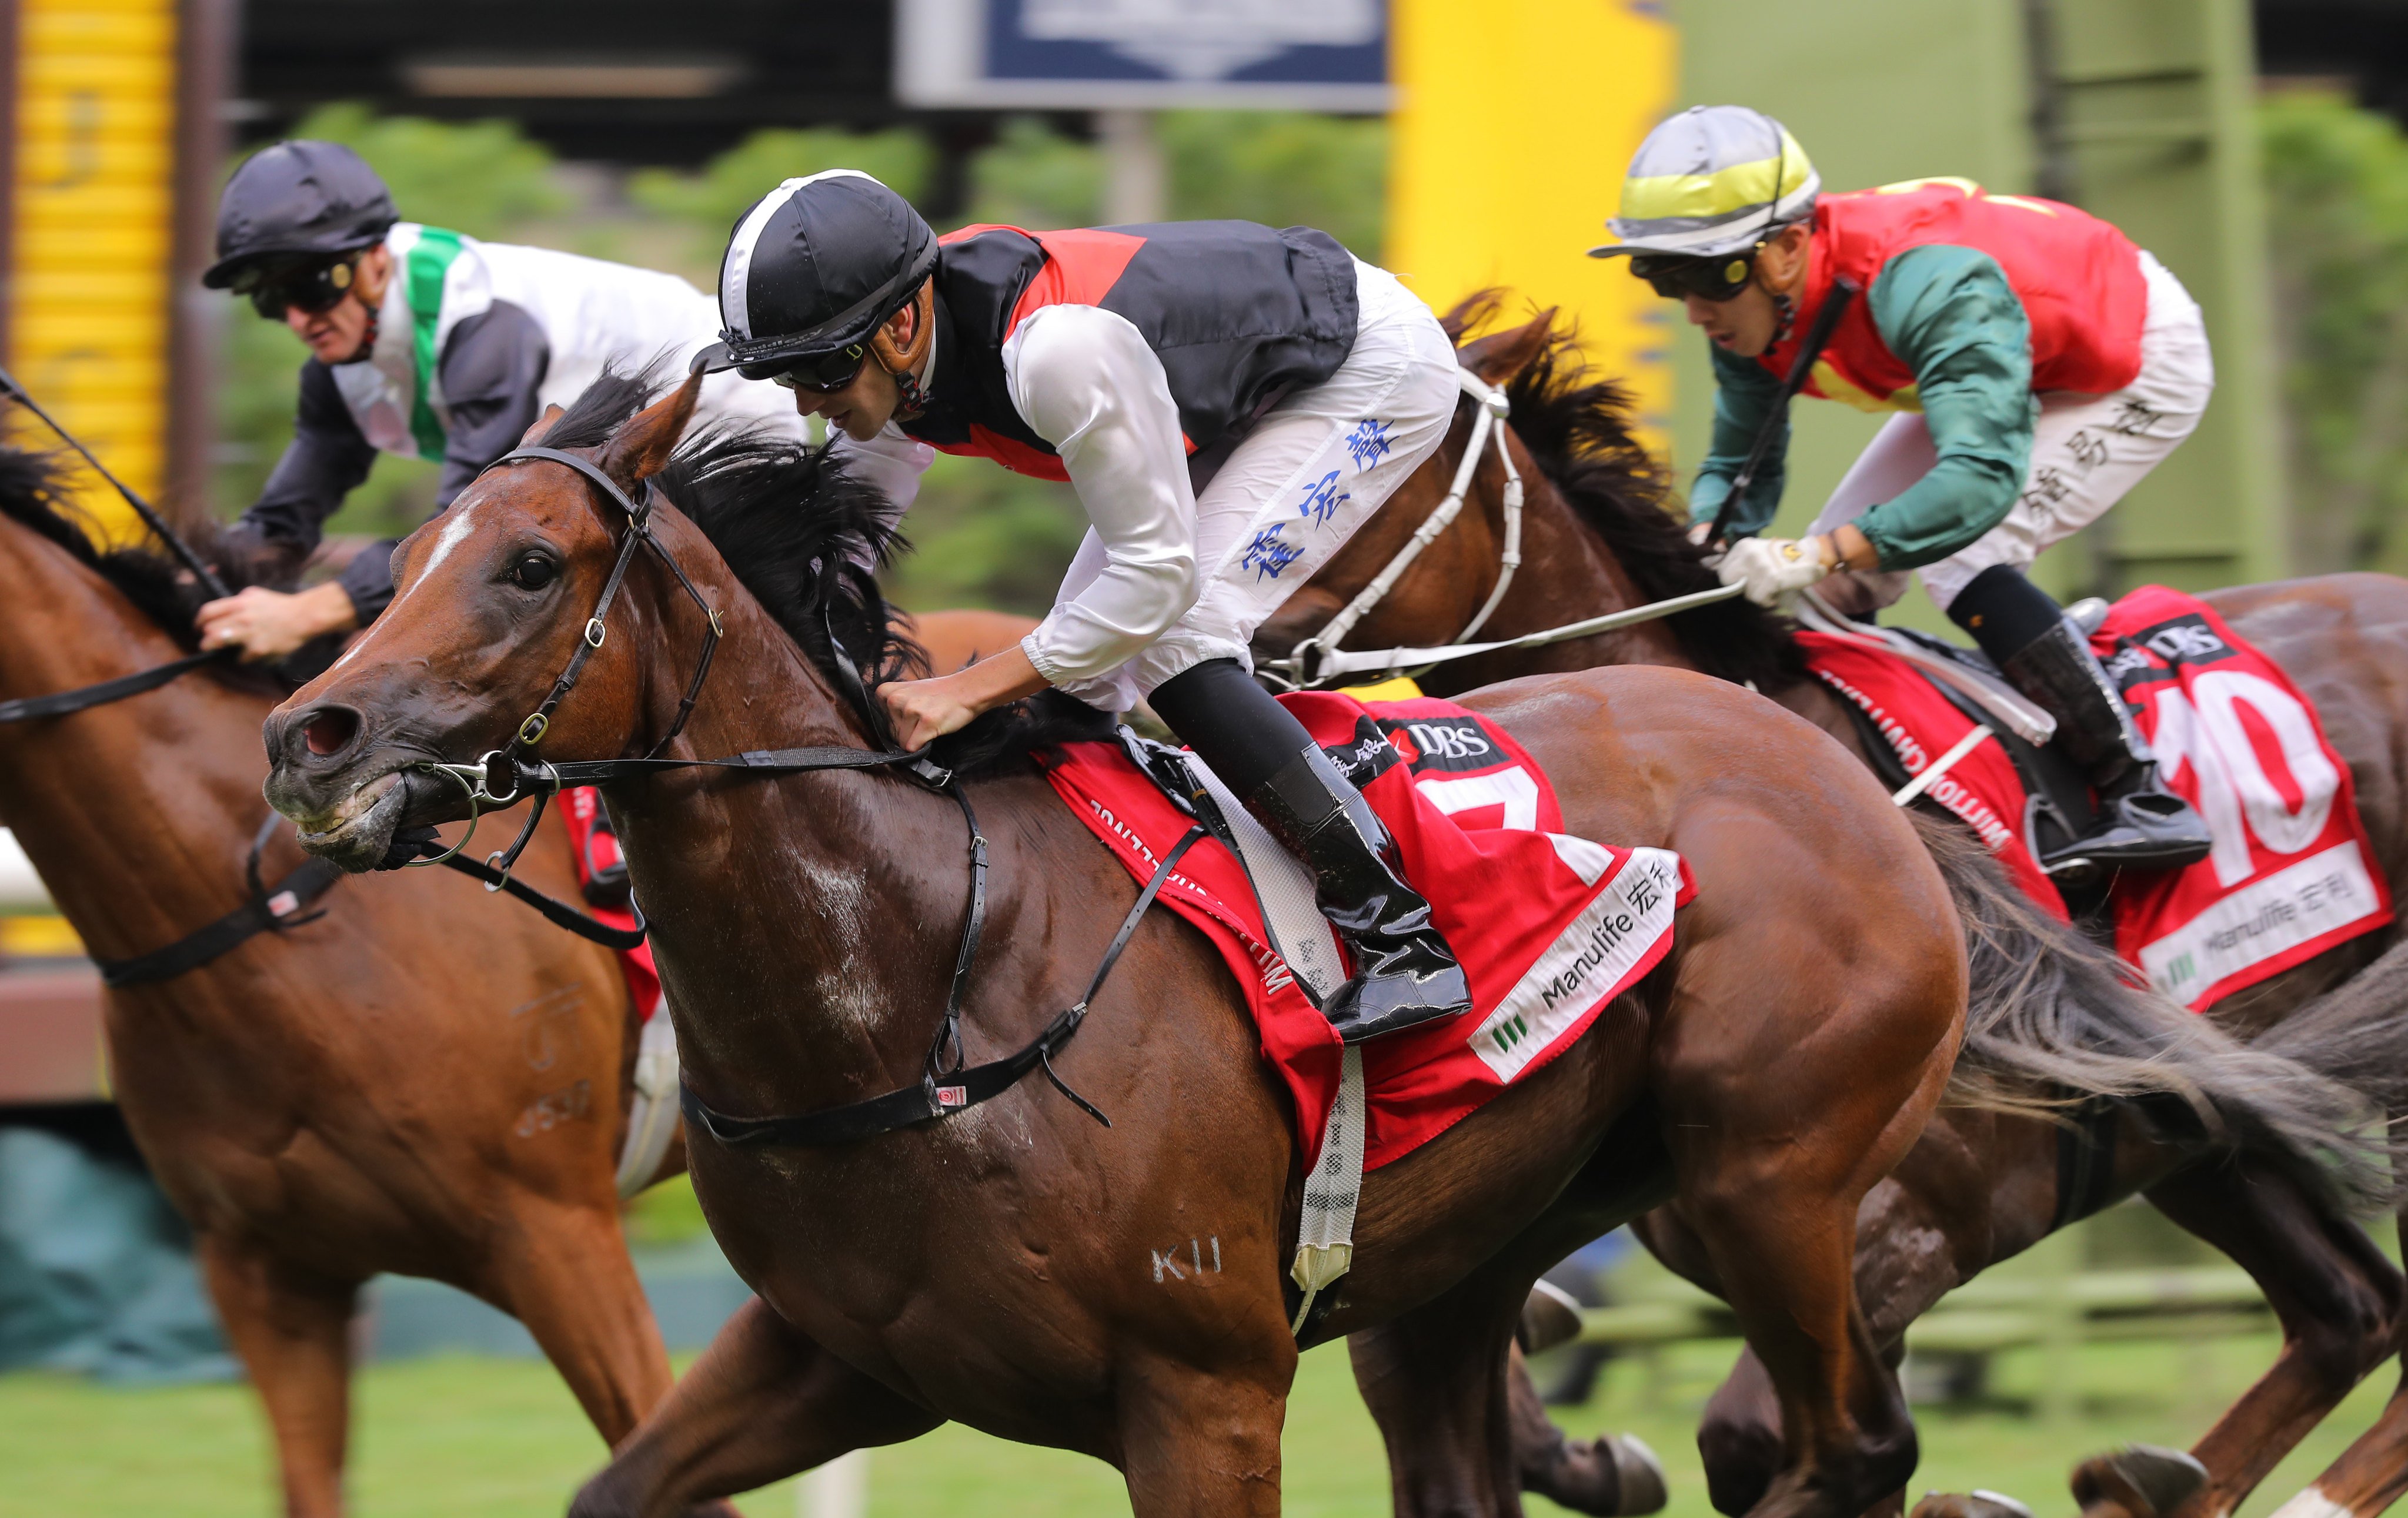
[534, 571]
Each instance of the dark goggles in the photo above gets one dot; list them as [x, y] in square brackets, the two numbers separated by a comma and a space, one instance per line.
[1676, 276]
[314, 289]
[822, 374]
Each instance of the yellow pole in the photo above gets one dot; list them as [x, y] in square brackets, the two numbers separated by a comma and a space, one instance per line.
[92, 242]
[1514, 121]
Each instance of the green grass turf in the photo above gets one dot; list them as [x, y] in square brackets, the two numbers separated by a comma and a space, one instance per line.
[465, 1438]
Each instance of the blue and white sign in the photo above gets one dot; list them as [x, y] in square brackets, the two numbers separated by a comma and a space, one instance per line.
[1143, 54]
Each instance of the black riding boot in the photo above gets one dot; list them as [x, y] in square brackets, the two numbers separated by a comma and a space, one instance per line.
[2141, 825]
[1404, 972]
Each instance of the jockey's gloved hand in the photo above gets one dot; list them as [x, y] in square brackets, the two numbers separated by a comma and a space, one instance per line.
[1772, 570]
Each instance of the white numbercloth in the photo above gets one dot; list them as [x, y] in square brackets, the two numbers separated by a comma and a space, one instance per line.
[1315, 469]
[2087, 450]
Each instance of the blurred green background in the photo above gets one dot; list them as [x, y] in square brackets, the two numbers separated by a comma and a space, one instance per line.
[2336, 184]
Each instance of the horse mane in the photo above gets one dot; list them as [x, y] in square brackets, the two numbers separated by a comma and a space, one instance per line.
[806, 536]
[1576, 425]
[34, 495]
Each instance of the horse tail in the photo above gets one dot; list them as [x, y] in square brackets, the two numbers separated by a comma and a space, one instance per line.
[2357, 1033]
[2053, 1020]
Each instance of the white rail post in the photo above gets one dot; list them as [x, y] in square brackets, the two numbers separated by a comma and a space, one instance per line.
[839, 1489]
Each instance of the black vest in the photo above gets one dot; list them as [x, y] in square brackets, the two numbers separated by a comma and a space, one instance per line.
[1238, 314]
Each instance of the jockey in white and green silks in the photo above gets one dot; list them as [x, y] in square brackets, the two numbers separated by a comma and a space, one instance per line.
[426, 343]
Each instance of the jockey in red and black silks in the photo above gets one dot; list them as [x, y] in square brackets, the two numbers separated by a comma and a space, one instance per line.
[2036, 366]
[1277, 314]
[1230, 402]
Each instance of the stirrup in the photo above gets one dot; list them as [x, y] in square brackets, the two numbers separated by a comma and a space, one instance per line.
[2143, 829]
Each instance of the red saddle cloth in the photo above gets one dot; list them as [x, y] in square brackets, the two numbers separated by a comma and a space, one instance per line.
[597, 849]
[1550, 927]
[2291, 873]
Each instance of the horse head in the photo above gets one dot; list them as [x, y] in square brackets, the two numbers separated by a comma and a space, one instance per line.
[493, 600]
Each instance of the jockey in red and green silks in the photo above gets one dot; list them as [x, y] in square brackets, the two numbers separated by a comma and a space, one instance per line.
[2036, 366]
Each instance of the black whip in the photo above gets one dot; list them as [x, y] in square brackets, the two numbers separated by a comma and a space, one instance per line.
[1826, 321]
[150, 518]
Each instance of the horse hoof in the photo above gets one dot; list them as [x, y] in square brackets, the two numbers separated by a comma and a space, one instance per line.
[1974, 1504]
[1612, 1476]
[1642, 1475]
[1549, 1317]
[2143, 1480]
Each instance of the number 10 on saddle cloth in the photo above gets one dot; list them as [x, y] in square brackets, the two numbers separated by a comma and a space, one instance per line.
[1550, 927]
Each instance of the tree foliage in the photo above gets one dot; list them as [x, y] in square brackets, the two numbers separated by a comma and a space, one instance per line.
[2337, 199]
[713, 199]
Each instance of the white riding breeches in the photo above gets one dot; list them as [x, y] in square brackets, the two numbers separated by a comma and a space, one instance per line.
[1312, 471]
[2087, 450]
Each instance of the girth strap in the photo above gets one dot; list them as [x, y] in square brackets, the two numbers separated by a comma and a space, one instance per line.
[962, 1088]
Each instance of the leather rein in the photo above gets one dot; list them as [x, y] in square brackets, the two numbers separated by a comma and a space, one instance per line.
[948, 1084]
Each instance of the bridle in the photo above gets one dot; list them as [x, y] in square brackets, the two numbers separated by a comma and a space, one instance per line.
[515, 765]
[1318, 661]
[948, 1084]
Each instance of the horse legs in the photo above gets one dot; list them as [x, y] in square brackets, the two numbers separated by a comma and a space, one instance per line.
[2335, 1294]
[564, 1273]
[1197, 1443]
[2373, 1472]
[291, 1330]
[764, 1402]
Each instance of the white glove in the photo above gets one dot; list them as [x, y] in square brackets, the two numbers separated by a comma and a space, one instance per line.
[1772, 569]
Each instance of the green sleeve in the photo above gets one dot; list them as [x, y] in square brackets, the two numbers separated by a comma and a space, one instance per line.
[1745, 393]
[1950, 316]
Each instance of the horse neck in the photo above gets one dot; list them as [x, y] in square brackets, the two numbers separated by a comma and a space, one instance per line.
[1576, 561]
[852, 883]
[137, 813]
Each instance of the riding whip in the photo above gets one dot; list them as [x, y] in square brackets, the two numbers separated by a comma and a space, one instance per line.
[151, 517]
[1826, 321]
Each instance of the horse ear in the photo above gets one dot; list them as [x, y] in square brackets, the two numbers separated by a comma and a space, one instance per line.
[640, 447]
[1500, 357]
[542, 424]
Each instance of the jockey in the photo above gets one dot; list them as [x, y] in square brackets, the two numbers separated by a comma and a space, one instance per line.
[1229, 402]
[424, 343]
[2036, 365]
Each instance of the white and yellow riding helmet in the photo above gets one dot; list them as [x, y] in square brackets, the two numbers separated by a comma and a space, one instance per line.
[1711, 182]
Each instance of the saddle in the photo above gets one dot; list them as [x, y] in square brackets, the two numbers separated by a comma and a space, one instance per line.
[2059, 805]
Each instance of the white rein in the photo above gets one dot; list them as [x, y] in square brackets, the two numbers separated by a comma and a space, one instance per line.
[1317, 660]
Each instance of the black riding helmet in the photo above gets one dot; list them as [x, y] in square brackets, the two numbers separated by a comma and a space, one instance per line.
[810, 271]
[297, 203]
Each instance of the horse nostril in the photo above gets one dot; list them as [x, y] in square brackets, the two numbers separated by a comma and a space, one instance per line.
[331, 731]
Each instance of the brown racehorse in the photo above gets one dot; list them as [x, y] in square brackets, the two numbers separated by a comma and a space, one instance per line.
[421, 1080]
[1983, 1184]
[994, 1267]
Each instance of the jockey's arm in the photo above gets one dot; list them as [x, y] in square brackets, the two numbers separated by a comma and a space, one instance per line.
[1949, 314]
[1083, 379]
[1745, 393]
[493, 365]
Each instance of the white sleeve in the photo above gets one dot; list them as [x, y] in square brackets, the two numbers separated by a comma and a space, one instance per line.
[1085, 381]
[890, 461]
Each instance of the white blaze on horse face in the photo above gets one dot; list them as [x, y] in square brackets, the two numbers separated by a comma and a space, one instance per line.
[455, 527]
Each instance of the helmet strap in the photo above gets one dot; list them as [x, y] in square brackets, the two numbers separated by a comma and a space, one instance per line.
[904, 362]
[1784, 316]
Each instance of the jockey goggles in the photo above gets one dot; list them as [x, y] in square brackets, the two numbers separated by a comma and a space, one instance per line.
[1676, 276]
[314, 287]
[821, 374]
